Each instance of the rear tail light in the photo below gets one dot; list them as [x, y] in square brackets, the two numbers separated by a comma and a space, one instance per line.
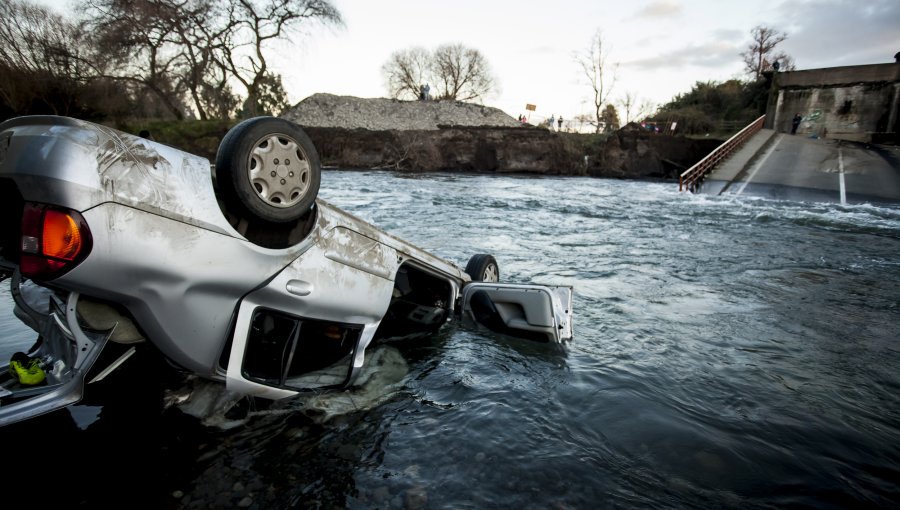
[54, 240]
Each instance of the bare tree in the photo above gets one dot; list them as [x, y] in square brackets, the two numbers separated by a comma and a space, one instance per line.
[36, 39]
[600, 76]
[453, 71]
[271, 98]
[461, 73]
[584, 118]
[216, 99]
[761, 54]
[141, 42]
[255, 23]
[633, 108]
[43, 58]
[191, 49]
[201, 75]
[406, 71]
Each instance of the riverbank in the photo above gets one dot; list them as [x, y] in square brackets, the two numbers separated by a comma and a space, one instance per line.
[452, 136]
[496, 150]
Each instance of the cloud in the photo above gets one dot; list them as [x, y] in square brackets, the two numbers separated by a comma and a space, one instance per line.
[712, 54]
[823, 33]
[660, 9]
[725, 34]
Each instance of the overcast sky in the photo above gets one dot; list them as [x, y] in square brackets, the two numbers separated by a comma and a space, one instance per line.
[662, 46]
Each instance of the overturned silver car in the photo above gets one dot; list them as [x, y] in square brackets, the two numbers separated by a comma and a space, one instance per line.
[236, 273]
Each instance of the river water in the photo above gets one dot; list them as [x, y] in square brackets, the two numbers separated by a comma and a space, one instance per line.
[727, 353]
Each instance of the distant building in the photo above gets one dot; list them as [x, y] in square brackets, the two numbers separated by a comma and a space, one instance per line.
[859, 103]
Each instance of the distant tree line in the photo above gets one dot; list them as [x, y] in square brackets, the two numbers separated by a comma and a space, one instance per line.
[149, 58]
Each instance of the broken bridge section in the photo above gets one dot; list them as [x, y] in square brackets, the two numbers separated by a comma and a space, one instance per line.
[802, 168]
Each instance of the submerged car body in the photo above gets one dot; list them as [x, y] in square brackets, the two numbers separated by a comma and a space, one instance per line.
[114, 239]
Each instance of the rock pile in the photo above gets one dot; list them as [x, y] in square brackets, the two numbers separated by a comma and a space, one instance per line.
[380, 114]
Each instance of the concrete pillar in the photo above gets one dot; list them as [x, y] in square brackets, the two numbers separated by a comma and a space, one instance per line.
[895, 106]
[771, 102]
[776, 118]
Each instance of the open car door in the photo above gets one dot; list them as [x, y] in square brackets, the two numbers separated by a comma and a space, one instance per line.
[541, 313]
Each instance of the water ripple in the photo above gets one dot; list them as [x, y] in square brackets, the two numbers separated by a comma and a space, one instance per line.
[727, 353]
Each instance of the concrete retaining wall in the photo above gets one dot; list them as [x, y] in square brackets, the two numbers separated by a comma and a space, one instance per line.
[851, 103]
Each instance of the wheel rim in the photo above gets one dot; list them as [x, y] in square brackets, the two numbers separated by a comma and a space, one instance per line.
[279, 171]
[491, 274]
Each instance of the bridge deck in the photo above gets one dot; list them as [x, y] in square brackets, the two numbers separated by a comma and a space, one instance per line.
[778, 165]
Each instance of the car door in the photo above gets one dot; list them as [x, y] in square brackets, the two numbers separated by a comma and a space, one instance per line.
[541, 313]
[308, 327]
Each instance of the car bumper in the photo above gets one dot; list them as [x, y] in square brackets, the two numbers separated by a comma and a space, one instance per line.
[66, 353]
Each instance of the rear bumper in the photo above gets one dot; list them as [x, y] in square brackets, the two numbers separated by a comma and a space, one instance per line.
[66, 352]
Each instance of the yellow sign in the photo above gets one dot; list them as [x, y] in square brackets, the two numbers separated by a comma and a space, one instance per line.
[530, 107]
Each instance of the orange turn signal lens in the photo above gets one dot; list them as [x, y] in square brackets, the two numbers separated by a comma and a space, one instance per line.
[54, 240]
[61, 235]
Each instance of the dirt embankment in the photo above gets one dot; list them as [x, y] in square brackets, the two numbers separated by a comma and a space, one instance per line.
[357, 133]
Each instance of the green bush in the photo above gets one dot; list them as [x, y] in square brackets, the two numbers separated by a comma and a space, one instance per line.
[716, 108]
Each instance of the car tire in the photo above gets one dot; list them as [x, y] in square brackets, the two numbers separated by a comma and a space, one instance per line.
[268, 168]
[483, 268]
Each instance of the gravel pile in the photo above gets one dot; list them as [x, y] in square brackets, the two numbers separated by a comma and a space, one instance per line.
[379, 114]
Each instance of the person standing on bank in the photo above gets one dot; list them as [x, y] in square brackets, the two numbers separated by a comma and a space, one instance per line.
[559, 123]
[795, 123]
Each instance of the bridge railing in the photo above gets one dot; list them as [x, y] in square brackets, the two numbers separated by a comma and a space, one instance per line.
[691, 178]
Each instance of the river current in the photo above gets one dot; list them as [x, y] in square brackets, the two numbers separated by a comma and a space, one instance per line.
[737, 353]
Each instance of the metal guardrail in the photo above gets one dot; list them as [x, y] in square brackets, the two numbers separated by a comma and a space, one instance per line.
[691, 178]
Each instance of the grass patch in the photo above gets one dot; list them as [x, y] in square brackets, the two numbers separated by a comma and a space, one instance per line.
[200, 137]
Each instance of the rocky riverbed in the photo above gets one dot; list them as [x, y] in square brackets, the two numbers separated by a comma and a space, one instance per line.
[437, 136]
